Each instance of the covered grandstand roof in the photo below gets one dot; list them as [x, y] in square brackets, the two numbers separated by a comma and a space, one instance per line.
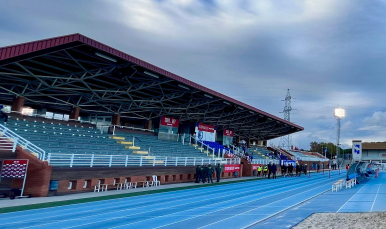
[74, 70]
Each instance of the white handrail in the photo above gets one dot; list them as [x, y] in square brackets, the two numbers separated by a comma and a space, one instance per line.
[93, 160]
[6, 132]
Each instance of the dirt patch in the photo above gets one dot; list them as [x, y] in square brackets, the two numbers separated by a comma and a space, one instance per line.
[344, 220]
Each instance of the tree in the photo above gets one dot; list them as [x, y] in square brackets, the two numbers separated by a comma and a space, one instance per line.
[331, 148]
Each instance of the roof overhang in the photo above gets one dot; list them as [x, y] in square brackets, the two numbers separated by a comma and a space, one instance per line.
[75, 70]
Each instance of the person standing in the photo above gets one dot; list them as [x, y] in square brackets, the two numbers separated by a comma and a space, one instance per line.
[3, 115]
[265, 170]
[283, 170]
[198, 173]
[202, 173]
[305, 169]
[218, 172]
[259, 170]
[274, 169]
[297, 170]
[290, 169]
[269, 170]
[210, 173]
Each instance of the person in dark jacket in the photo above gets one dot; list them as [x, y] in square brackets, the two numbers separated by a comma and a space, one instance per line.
[218, 172]
[3, 115]
[298, 170]
[205, 173]
[290, 170]
[269, 170]
[274, 169]
[198, 174]
[305, 169]
[283, 170]
[202, 174]
[210, 173]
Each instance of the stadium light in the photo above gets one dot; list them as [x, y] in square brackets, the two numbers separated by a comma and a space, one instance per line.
[209, 96]
[106, 57]
[151, 74]
[184, 87]
[339, 113]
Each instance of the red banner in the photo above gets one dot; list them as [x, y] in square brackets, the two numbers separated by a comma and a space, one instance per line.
[231, 168]
[255, 166]
[166, 121]
[228, 133]
[206, 128]
[14, 168]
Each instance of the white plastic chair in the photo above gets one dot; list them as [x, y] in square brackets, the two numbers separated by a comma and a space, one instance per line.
[155, 181]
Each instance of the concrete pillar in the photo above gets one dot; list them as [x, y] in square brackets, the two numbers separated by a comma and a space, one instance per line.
[265, 143]
[116, 120]
[75, 113]
[148, 124]
[17, 104]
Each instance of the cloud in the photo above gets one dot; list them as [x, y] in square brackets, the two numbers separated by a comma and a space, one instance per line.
[327, 52]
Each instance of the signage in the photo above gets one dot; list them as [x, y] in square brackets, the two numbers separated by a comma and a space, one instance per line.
[255, 166]
[228, 133]
[231, 168]
[166, 121]
[357, 150]
[14, 168]
[205, 132]
[288, 162]
[206, 128]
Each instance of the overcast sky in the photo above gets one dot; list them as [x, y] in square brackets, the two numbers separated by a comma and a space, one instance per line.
[327, 52]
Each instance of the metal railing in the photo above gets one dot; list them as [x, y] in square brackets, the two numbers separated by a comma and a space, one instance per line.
[93, 160]
[18, 140]
[264, 161]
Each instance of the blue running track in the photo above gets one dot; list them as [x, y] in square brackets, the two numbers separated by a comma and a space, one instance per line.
[238, 205]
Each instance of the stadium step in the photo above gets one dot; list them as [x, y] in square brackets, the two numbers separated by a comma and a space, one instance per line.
[148, 157]
[117, 138]
[132, 147]
[125, 143]
[140, 152]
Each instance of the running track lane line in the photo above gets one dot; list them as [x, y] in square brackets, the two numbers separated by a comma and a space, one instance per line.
[351, 198]
[372, 206]
[255, 223]
[251, 190]
[109, 219]
[212, 211]
[122, 199]
[113, 205]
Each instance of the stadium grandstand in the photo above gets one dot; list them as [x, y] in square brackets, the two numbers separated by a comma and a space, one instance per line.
[75, 104]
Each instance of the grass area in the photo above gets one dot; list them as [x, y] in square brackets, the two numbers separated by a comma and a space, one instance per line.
[110, 197]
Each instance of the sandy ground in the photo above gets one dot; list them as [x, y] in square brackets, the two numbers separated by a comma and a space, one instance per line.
[376, 220]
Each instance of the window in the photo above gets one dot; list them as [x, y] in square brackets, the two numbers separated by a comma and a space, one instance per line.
[70, 185]
[85, 184]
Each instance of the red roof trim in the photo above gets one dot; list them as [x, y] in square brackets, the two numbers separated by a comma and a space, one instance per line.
[25, 48]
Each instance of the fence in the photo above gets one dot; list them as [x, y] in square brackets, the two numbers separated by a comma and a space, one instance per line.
[18, 140]
[93, 160]
[264, 161]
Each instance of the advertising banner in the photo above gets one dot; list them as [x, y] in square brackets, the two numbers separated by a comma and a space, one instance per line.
[166, 121]
[205, 132]
[14, 168]
[357, 150]
[228, 133]
[288, 162]
[231, 168]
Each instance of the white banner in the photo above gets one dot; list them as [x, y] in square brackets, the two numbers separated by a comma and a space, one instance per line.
[205, 132]
[357, 150]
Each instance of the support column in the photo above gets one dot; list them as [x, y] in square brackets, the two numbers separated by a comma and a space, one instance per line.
[237, 140]
[116, 120]
[265, 143]
[17, 104]
[75, 113]
[148, 124]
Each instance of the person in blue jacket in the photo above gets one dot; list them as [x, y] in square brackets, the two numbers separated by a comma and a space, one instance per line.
[3, 115]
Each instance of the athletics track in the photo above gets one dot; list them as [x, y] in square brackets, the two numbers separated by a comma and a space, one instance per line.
[279, 203]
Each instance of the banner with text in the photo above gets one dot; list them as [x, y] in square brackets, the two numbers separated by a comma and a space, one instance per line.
[169, 125]
[14, 168]
[231, 168]
[205, 132]
[227, 139]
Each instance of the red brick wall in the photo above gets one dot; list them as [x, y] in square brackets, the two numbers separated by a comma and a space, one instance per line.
[38, 175]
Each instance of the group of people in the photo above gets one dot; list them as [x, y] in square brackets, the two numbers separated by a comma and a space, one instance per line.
[334, 166]
[286, 170]
[267, 170]
[205, 173]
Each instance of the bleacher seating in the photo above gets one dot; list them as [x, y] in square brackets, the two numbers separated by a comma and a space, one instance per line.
[54, 138]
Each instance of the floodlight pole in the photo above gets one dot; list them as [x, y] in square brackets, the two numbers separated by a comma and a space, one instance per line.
[337, 138]
[286, 141]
